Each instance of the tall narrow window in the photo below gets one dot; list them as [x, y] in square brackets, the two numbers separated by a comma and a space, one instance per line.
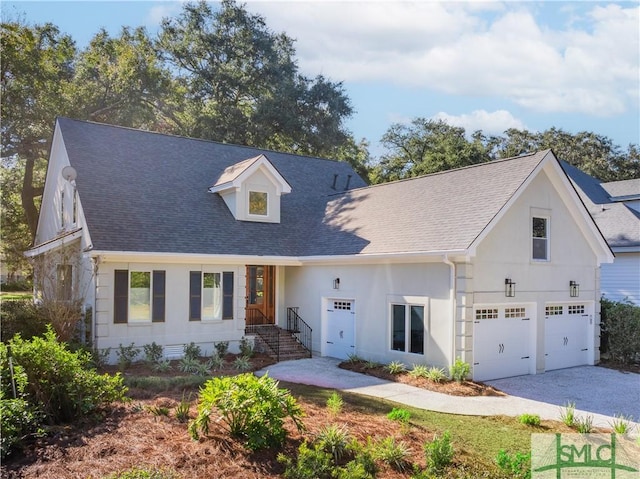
[210, 295]
[62, 208]
[407, 328]
[64, 283]
[75, 206]
[140, 296]
[540, 245]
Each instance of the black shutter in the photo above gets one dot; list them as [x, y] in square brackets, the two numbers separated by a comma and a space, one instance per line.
[158, 302]
[120, 295]
[195, 292]
[227, 295]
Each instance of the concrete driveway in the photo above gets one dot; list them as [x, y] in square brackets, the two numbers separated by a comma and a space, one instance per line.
[593, 389]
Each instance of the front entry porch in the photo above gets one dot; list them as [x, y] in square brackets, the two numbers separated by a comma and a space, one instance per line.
[281, 343]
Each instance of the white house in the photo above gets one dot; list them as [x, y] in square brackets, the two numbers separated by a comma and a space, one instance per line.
[615, 206]
[174, 240]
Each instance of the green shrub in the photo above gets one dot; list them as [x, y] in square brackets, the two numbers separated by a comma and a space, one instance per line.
[215, 362]
[437, 375]
[568, 414]
[20, 317]
[221, 348]
[621, 423]
[419, 371]
[162, 366]
[246, 348]
[459, 370]
[189, 365]
[253, 409]
[395, 367]
[364, 455]
[335, 403]
[371, 364]
[59, 382]
[395, 454]
[21, 285]
[242, 363]
[334, 440]
[352, 470]
[621, 328]
[517, 466]
[126, 355]
[584, 425]
[309, 463]
[192, 351]
[400, 415]
[52, 385]
[152, 353]
[529, 419]
[439, 452]
[18, 421]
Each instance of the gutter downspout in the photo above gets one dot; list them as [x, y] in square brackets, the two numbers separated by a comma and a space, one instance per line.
[452, 300]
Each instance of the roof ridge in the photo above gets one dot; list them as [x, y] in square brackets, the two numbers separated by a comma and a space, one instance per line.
[443, 172]
[184, 137]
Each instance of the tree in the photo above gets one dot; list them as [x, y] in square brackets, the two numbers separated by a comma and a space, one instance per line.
[122, 81]
[37, 67]
[427, 146]
[243, 86]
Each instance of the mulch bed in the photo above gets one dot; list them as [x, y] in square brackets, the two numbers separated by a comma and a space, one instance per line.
[464, 388]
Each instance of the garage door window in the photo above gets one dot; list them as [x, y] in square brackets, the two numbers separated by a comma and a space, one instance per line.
[515, 312]
[407, 328]
[575, 309]
[489, 313]
[553, 310]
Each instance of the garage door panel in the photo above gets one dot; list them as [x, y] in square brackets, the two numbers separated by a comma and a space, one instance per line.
[566, 336]
[501, 342]
[339, 329]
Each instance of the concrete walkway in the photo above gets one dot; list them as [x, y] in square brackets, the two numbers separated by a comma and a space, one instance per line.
[324, 372]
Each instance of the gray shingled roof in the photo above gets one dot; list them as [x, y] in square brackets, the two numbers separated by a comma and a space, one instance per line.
[622, 189]
[143, 191]
[440, 212]
[619, 224]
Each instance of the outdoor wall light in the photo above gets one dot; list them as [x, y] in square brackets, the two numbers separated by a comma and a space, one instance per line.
[336, 283]
[574, 289]
[509, 288]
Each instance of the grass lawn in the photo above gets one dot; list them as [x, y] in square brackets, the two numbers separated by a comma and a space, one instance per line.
[15, 295]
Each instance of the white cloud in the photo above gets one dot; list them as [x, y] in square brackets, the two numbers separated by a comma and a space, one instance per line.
[491, 123]
[160, 11]
[588, 65]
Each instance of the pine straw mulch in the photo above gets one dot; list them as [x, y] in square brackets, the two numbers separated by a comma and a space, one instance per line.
[130, 435]
[454, 388]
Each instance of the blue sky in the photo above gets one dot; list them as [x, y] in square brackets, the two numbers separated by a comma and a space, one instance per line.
[480, 65]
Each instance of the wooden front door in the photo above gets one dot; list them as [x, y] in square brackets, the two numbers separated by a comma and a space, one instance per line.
[261, 307]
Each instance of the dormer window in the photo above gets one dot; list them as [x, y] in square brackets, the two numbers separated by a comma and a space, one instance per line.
[252, 189]
[258, 203]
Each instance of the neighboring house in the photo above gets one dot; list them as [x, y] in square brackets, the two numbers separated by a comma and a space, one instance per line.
[174, 240]
[615, 206]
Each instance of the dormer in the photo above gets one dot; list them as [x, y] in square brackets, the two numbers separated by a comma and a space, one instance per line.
[252, 189]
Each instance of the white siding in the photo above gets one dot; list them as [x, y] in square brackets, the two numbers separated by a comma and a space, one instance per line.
[373, 287]
[621, 279]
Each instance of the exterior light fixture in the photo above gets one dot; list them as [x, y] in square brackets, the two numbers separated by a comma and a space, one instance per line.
[574, 289]
[336, 283]
[509, 288]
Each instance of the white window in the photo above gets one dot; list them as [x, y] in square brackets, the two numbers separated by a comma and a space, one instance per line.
[540, 238]
[62, 208]
[407, 328]
[258, 203]
[211, 296]
[140, 296]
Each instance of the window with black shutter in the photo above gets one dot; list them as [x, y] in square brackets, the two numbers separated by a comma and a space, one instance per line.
[120, 296]
[158, 304]
[195, 295]
[227, 295]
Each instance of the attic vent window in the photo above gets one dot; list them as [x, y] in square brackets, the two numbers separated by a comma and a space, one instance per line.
[258, 204]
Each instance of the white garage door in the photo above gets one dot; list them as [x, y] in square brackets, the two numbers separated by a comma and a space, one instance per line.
[566, 336]
[501, 342]
[339, 329]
